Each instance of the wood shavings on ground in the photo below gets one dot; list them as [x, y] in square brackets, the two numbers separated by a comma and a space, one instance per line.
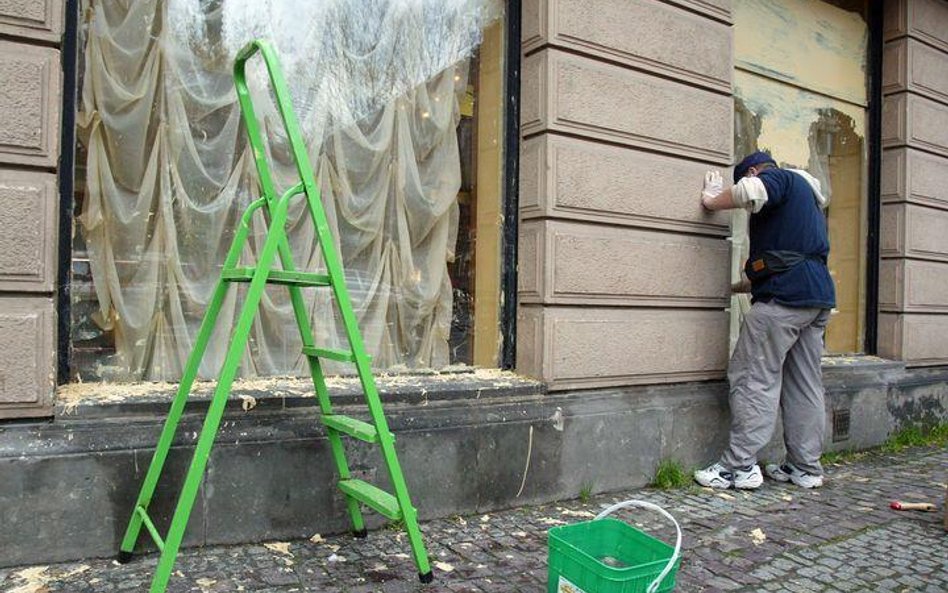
[34, 580]
[76, 571]
[443, 566]
[552, 521]
[316, 539]
[758, 536]
[205, 584]
[726, 496]
[485, 518]
[336, 558]
[572, 513]
[279, 547]
[247, 402]
[786, 498]
[519, 534]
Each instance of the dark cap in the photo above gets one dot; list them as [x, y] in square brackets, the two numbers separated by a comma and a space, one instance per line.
[751, 160]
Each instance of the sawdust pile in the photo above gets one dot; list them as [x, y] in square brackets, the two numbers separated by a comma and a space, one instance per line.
[72, 395]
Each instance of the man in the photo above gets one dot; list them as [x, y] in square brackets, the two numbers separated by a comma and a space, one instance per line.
[777, 358]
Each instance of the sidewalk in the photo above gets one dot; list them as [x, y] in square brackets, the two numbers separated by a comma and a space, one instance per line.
[780, 538]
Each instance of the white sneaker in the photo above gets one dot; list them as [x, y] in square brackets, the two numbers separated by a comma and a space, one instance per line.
[748, 479]
[787, 472]
[718, 476]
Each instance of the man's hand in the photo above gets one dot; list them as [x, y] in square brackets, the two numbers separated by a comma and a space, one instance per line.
[744, 285]
[714, 196]
[713, 186]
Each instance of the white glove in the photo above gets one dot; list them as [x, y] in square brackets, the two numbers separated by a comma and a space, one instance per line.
[713, 186]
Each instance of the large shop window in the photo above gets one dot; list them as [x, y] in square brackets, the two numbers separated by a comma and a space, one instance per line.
[800, 91]
[411, 182]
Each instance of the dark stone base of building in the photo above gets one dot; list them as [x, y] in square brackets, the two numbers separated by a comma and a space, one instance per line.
[466, 445]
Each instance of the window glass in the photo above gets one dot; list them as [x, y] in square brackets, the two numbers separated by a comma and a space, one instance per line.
[163, 173]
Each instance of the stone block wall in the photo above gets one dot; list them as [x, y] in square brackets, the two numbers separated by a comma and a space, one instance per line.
[913, 292]
[622, 275]
[30, 108]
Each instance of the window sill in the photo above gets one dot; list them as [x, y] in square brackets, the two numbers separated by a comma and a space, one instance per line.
[103, 400]
[859, 370]
[859, 361]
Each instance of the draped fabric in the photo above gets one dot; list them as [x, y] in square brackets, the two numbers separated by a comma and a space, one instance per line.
[169, 173]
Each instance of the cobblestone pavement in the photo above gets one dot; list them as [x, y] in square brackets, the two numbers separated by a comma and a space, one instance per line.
[780, 538]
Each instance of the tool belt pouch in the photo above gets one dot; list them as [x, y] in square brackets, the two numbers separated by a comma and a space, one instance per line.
[770, 263]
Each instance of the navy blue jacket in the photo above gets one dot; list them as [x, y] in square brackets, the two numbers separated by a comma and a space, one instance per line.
[791, 220]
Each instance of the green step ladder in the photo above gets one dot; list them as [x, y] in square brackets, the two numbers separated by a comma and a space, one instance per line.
[396, 507]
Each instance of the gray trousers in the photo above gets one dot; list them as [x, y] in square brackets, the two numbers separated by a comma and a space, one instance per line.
[777, 363]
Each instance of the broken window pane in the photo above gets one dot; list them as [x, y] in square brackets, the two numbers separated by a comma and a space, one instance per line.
[800, 93]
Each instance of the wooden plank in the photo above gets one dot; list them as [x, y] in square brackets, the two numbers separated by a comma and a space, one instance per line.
[489, 198]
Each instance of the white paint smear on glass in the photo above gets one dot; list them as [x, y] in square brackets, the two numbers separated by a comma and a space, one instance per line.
[810, 43]
[342, 59]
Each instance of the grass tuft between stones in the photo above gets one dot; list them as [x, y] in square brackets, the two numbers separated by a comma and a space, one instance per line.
[918, 435]
[671, 475]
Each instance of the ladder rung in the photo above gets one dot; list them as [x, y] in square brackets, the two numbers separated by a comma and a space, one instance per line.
[331, 353]
[152, 530]
[352, 427]
[277, 277]
[372, 496]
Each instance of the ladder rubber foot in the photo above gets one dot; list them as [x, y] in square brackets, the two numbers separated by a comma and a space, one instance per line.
[361, 534]
[426, 577]
[124, 557]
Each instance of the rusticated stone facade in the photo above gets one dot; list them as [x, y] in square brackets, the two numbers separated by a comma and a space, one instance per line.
[913, 292]
[623, 277]
[30, 108]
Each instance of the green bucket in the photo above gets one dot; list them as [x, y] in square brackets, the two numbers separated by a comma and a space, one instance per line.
[606, 555]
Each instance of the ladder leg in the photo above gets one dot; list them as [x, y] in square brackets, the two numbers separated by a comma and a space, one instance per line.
[368, 382]
[337, 448]
[322, 394]
[338, 280]
[387, 445]
[171, 422]
[184, 388]
[192, 482]
[202, 451]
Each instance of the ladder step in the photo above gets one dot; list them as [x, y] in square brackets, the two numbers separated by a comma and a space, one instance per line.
[277, 277]
[352, 427]
[331, 353]
[372, 496]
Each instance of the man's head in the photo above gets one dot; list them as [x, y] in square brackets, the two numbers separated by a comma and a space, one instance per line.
[753, 164]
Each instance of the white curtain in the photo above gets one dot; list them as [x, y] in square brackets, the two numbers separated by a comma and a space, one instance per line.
[169, 173]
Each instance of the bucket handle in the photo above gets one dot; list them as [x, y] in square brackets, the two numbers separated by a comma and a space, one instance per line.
[652, 507]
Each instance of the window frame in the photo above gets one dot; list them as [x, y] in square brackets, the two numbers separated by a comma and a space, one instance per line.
[873, 179]
[875, 43]
[510, 184]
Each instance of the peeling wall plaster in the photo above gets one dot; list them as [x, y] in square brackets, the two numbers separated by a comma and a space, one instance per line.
[787, 114]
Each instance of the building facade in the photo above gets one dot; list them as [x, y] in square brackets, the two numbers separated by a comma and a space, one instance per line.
[583, 273]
